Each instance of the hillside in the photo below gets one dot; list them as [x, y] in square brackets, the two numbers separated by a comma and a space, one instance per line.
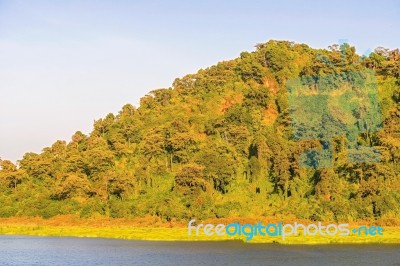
[219, 143]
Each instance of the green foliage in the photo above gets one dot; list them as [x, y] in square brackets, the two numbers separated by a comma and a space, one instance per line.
[218, 143]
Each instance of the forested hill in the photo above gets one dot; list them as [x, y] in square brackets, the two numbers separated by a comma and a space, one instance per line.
[219, 143]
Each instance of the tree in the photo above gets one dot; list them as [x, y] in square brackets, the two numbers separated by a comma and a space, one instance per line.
[10, 176]
[219, 165]
[190, 179]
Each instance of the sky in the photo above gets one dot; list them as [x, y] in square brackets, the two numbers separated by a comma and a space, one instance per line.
[64, 64]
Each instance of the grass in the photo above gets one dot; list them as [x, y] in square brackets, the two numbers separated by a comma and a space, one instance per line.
[161, 232]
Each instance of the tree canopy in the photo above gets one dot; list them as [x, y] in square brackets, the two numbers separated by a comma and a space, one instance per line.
[219, 143]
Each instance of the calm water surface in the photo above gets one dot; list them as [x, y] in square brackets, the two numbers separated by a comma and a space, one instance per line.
[22, 250]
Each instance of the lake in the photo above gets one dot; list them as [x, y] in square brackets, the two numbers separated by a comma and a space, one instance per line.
[24, 250]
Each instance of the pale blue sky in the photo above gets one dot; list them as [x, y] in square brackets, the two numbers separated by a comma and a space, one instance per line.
[64, 64]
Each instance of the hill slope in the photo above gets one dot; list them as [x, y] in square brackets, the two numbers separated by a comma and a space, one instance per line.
[219, 143]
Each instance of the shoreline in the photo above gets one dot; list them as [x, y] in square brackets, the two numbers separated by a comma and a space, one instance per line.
[153, 233]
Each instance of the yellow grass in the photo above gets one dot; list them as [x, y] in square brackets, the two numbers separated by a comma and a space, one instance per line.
[128, 230]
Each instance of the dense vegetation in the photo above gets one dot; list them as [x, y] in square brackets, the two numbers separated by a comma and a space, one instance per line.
[218, 144]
